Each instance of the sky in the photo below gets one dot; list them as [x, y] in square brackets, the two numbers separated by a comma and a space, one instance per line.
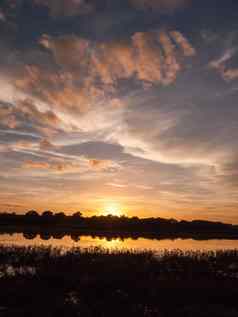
[123, 107]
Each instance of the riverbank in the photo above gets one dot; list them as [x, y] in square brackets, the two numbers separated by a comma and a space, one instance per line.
[98, 282]
[56, 225]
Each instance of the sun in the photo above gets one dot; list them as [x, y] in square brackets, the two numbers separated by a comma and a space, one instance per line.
[112, 208]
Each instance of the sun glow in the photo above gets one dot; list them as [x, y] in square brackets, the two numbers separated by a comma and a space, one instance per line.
[112, 208]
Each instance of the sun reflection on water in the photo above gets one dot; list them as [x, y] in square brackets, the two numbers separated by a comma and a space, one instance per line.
[139, 244]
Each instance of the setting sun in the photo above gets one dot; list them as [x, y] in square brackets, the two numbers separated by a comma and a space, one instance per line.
[112, 208]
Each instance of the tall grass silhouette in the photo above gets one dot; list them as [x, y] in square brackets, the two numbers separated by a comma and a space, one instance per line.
[39, 281]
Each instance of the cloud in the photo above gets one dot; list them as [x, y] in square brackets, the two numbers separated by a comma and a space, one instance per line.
[230, 74]
[63, 46]
[36, 165]
[223, 64]
[7, 116]
[161, 5]
[118, 93]
[58, 89]
[178, 126]
[55, 166]
[11, 206]
[100, 164]
[117, 185]
[17, 146]
[228, 172]
[26, 117]
[5, 148]
[2, 16]
[149, 56]
[68, 8]
[46, 145]
[227, 55]
[182, 42]
[59, 8]
[88, 74]
[96, 149]
[66, 164]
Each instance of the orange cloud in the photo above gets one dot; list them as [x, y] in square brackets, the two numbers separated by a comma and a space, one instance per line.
[10, 122]
[46, 117]
[170, 67]
[150, 56]
[17, 146]
[58, 166]
[23, 145]
[62, 45]
[182, 42]
[25, 114]
[69, 98]
[46, 122]
[46, 145]
[36, 165]
[58, 89]
[99, 164]
[147, 58]
[90, 72]
[230, 74]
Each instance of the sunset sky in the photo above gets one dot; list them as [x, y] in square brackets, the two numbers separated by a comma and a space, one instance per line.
[111, 106]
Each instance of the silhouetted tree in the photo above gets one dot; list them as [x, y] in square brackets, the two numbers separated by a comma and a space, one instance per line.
[77, 214]
[59, 216]
[47, 214]
[32, 213]
[29, 235]
[58, 235]
[45, 236]
[47, 217]
[75, 237]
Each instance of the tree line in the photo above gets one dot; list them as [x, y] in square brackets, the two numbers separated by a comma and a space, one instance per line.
[48, 219]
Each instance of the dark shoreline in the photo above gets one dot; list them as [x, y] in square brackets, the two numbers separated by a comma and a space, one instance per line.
[57, 225]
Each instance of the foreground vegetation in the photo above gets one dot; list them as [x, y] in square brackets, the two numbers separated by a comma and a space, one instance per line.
[97, 282]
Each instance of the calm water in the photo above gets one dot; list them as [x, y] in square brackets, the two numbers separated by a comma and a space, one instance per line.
[136, 244]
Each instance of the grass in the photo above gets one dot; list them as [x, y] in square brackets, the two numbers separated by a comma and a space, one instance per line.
[39, 281]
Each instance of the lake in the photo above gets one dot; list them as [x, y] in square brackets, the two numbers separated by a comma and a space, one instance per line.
[87, 241]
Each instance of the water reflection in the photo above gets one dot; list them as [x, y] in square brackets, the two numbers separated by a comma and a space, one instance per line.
[86, 241]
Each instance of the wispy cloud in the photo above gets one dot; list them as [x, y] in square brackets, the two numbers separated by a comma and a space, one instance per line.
[223, 65]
